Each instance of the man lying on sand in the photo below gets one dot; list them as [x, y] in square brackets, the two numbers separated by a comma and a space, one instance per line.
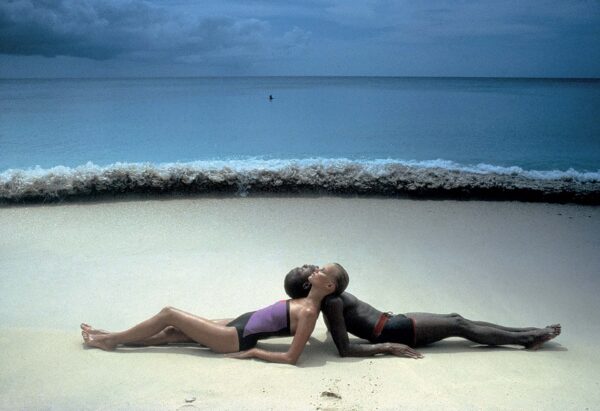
[399, 334]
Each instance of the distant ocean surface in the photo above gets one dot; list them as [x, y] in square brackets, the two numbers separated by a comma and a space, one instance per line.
[536, 139]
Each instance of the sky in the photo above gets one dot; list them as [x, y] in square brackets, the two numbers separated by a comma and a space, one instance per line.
[152, 38]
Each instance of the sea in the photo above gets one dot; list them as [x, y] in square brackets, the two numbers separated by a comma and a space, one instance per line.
[485, 138]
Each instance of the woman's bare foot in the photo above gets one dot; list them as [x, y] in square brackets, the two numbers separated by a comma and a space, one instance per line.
[94, 331]
[544, 335]
[91, 330]
[163, 338]
[97, 341]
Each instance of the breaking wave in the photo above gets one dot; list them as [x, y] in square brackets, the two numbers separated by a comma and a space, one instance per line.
[423, 179]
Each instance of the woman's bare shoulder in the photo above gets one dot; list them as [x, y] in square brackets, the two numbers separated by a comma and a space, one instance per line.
[299, 308]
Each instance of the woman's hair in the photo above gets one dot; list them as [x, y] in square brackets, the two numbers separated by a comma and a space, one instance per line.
[342, 279]
[296, 281]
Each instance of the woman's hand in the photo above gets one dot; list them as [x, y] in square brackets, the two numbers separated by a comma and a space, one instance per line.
[242, 354]
[402, 350]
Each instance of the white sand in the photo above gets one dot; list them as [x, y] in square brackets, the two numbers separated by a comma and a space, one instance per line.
[115, 264]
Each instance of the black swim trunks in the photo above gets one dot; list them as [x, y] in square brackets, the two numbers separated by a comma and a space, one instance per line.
[397, 329]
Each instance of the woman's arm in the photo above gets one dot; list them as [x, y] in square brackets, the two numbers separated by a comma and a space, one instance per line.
[333, 309]
[307, 320]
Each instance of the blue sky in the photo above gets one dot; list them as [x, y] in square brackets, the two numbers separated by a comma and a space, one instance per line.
[88, 38]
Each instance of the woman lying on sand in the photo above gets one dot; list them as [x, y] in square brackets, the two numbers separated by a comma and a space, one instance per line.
[295, 317]
[398, 334]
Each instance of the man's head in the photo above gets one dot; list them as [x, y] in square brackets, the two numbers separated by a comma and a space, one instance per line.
[297, 283]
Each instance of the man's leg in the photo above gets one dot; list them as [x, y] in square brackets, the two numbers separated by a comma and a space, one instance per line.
[430, 328]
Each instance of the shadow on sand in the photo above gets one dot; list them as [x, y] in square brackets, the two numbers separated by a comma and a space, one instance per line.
[318, 353]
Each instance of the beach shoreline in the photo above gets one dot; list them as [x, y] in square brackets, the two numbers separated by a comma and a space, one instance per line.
[442, 180]
[115, 263]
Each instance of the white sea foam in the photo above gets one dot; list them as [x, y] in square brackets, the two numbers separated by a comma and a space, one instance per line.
[436, 178]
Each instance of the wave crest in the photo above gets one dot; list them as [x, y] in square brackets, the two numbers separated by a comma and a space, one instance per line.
[431, 179]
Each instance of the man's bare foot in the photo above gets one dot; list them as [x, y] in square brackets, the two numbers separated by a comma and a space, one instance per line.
[97, 341]
[544, 335]
[556, 327]
[91, 330]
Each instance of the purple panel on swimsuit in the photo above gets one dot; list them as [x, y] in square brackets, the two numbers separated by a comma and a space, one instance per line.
[269, 319]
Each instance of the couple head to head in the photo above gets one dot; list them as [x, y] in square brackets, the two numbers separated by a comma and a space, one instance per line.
[332, 277]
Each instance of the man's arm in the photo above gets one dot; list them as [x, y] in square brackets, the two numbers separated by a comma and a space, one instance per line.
[334, 312]
[333, 309]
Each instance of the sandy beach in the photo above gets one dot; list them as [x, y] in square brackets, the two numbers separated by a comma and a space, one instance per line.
[114, 264]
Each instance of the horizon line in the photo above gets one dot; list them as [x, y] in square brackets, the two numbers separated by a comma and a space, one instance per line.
[300, 76]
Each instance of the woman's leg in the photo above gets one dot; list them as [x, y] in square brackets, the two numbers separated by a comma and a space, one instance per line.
[216, 336]
[169, 335]
[430, 328]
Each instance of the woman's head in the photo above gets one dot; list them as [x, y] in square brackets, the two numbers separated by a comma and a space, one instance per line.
[299, 280]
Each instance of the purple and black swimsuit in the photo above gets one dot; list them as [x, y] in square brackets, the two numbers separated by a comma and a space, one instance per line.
[271, 321]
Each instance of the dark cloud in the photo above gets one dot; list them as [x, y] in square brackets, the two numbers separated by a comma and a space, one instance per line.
[103, 30]
[308, 37]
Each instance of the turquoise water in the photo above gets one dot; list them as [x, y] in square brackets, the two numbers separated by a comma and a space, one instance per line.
[526, 139]
[532, 124]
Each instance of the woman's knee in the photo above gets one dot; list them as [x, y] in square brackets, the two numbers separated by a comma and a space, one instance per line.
[167, 311]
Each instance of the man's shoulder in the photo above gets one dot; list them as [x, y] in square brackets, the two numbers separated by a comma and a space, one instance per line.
[345, 300]
[349, 297]
[349, 300]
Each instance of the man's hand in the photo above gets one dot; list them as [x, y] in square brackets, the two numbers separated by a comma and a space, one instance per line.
[401, 350]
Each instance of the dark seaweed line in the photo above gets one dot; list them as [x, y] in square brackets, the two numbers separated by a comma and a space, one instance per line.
[396, 181]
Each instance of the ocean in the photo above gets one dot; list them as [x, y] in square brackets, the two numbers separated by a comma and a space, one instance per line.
[490, 138]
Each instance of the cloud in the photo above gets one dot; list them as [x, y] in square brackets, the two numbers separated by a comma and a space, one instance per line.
[246, 37]
[436, 19]
[138, 30]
